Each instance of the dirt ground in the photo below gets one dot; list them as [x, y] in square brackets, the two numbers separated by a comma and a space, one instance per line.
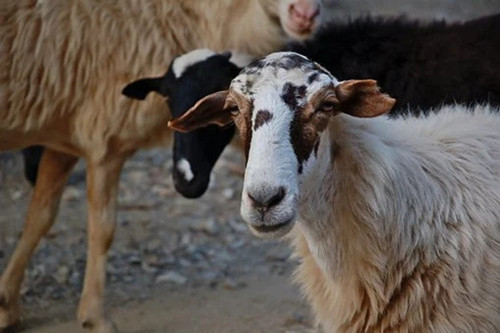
[177, 265]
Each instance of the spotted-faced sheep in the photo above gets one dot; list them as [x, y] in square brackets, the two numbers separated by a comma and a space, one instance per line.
[397, 221]
[62, 67]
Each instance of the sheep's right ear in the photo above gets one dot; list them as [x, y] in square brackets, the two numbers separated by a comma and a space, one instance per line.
[362, 98]
[141, 88]
[208, 110]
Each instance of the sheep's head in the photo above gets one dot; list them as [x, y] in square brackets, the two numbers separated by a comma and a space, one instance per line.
[281, 104]
[189, 78]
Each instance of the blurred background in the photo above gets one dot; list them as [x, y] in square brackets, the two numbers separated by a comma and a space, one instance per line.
[178, 265]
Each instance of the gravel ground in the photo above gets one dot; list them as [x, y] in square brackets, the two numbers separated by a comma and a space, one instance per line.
[176, 265]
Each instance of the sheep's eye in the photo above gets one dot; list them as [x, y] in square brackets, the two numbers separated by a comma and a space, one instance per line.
[326, 106]
[233, 110]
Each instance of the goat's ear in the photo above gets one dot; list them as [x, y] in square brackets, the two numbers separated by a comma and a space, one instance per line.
[362, 98]
[208, 110]
[141, 88]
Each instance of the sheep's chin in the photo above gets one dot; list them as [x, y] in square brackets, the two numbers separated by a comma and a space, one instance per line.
[276, 231]
[295, 32]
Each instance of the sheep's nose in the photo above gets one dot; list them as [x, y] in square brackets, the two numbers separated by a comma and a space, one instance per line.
[264, 200]
[304, 12]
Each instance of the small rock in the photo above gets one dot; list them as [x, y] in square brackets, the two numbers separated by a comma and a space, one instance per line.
[134, 260]
[158, 160]
[16, 195]
[74, 278]
[228, 193]
[223, 256]
[231, 284]
[72, 193]
[172, 277]
[62, 274]
[210, 276]
[153, 244]
[238, 226]
[161, 191]
[207, 226]
[138, 177]
[185, 240]
[184, 263]
[128, 278]
[279, 253]
[296, 319]
[153, 260]
[237, 244]
[147, 268]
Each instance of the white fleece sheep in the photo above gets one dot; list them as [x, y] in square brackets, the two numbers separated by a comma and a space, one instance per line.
[63, 65]
[397, 220]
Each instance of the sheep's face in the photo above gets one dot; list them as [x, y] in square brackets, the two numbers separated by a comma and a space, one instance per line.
[299, 18]
[189, 78]
[281, 104]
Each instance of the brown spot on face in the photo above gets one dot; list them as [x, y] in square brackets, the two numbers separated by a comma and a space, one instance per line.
[262, 117]
[306, 127]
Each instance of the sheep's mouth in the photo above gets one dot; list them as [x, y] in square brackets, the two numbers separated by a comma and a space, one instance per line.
[275, 230]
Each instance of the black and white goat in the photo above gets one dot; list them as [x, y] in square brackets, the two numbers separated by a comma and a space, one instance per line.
[397, 221]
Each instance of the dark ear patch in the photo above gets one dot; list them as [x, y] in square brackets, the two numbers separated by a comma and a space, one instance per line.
[141, 88]
[362, 98]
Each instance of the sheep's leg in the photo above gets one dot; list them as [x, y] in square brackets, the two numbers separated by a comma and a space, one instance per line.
[102, 189]
[54, 170]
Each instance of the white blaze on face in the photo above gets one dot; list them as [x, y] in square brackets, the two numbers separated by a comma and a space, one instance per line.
[183, 62]
[280, 87]
[184, 167]
[271, 160]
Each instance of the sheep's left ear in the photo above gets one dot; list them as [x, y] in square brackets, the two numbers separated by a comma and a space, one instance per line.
[208, 110]
[141, 88]
[362, 98]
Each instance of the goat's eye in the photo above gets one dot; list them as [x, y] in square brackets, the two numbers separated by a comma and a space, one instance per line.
[326, 106]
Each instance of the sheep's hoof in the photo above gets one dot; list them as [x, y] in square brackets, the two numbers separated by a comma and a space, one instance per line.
[9, 317]
[99, 326]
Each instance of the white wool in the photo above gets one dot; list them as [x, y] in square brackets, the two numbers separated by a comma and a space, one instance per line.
[241, 59]
[189, 59]
[407, 205]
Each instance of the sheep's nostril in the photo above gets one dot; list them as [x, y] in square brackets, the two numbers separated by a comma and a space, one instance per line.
[264, 200]
[277, 198]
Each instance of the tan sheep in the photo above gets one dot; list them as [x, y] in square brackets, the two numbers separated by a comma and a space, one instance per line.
[62, 67]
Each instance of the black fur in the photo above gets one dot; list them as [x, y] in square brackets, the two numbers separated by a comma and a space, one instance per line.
[421, 65]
